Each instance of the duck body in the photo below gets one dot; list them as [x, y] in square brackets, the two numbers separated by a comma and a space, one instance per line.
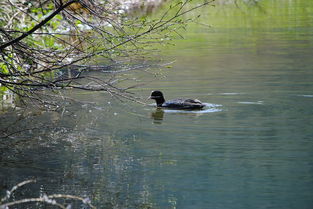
[190, 104]
[183, 104]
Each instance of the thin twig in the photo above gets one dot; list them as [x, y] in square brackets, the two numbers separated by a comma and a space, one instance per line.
[9, 193]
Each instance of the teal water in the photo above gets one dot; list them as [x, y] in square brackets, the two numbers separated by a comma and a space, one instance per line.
[252, 147]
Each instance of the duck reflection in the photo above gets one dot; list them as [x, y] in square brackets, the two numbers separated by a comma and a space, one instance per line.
[157, 116]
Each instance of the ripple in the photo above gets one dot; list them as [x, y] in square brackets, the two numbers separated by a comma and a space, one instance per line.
[306, 95]
[209, 108]
[249, 102]
[231, 93]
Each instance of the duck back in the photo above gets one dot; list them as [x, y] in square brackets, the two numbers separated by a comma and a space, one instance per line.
[187, 104]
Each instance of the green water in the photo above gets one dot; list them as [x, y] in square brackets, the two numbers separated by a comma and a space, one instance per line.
[251, 148]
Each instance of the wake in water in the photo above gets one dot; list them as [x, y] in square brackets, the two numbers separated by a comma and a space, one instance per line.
[209, 108]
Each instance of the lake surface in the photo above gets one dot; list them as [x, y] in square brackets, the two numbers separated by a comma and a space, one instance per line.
[252, 147]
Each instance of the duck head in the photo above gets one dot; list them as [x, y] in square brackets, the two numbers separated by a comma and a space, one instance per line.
[158, 97]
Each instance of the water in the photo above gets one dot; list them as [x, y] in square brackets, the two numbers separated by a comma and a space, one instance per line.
[250, 148]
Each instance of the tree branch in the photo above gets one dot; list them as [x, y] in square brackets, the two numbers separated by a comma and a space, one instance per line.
[36, 27]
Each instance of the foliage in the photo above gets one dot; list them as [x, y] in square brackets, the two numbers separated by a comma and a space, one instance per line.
[44, 41]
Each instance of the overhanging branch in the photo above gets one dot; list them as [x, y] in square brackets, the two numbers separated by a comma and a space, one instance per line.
[39, 25]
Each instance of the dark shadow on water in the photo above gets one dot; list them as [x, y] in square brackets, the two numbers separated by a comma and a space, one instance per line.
[157, 116]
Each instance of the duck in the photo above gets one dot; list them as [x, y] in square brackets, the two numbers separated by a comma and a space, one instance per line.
[183, 104]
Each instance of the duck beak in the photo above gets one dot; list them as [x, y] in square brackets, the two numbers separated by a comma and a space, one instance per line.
[149, 97]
